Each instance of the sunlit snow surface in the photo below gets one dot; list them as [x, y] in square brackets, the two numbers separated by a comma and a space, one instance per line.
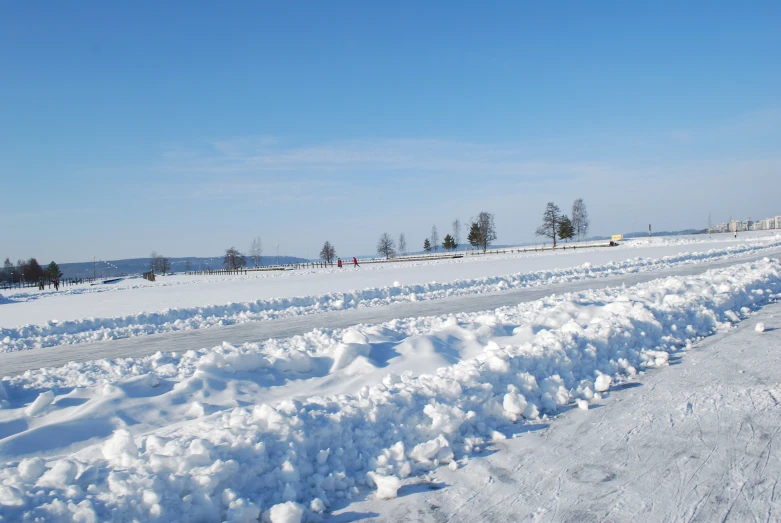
[289, 429]
[94, 313]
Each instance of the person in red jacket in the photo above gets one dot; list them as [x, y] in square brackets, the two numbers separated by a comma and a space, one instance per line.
[355, 262]
[339, 262]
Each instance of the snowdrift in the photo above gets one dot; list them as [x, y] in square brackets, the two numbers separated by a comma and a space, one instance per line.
[84, 330]
[291, 459]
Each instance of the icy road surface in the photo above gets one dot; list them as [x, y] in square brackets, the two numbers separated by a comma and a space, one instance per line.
[697, 441]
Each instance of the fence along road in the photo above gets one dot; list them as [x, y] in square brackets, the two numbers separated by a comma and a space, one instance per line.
[12, 363]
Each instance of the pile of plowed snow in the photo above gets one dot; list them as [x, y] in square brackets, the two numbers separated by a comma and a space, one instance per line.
[286, 428]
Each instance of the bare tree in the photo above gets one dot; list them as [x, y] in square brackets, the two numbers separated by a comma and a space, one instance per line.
[386, 246]
[434, 238]
[402, 244]
[579, 220]
[486, 229]
[160, 264]
[550, 222]
[457, 231]
[256, 251]
[328, 252]
[234, 259]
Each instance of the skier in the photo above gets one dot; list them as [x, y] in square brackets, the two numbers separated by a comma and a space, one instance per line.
[355, 262]
[339, 262]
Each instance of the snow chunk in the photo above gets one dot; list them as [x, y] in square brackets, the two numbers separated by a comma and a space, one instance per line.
[43, 400]
[243, 511]
[514, 404]
[345, 353]
[353, 336]
[435, 449]
[286, 513]
[120, 447]
[387, 486]
[582, 404]
[603, 383]
[61, 475]
[31, 469]
[760, 327]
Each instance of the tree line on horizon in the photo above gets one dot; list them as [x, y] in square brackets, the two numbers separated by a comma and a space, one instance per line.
[482, 232]
[29, 271]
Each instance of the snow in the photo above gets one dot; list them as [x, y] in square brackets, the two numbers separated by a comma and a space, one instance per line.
[693, 442]
[43, 400]
[387, 486]
[602, 383]
[87, 315]
[288, 512]
[760, 327]
[289, 428]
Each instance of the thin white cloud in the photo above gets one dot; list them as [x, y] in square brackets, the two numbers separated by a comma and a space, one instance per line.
[248, 156]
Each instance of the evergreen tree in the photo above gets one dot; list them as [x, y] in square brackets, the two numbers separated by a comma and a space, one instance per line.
[449, 244]
[33, 270]
[53, 272]
[426, 245]
[8, 271]
[550, 222]
[566, 232]
[474, 235]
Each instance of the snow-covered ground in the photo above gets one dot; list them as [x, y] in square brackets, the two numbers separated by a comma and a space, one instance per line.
[347, 418]
[85, 314]
[694, 442]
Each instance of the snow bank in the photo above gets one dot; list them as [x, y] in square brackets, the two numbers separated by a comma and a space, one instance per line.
[301, 455]
[54, 333]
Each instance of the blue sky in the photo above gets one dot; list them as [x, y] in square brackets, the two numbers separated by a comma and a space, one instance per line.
[188, 127]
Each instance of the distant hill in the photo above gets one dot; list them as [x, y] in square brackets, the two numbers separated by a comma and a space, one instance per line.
[104, 269]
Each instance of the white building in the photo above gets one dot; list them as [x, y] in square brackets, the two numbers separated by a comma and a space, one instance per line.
[778, 222]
